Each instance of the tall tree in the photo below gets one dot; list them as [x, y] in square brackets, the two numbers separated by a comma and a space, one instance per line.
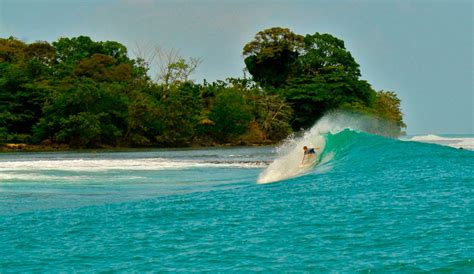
[324, 53]
[182, 108]
[230, 113]
[270, 56]
[314, 73]
[25, 72]
[174, 69]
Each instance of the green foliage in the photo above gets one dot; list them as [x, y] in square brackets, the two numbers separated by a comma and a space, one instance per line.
[315, 74]
[83, 54]
[82, 129]
[102, 68]
[324, 54]
[387, 107]
[41, 52]
[4, 135]
[312, 97]
[178, 72]
[12, 50]
[274, 116]
[270, 57]
[181, 115]
[230, 114]
[24, 85]
[386, 116]
[87, 93]
[144, 119]
[66, 114]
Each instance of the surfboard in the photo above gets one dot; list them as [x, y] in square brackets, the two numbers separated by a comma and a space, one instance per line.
[309, 163]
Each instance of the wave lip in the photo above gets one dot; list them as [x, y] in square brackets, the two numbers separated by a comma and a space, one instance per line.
[289, 162]
[290, 153]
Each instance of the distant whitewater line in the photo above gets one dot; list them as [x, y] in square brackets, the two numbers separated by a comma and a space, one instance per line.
[98, 165]
[465, 143]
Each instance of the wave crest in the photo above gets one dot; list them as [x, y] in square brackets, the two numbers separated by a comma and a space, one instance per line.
[290, 152]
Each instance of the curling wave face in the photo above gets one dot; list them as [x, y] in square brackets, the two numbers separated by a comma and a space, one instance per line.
[338, 135]
[290, 153]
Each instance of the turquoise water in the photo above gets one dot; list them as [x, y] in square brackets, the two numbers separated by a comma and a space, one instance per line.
[372, 204]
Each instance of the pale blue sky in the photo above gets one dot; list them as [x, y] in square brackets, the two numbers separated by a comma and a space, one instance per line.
[422, 50]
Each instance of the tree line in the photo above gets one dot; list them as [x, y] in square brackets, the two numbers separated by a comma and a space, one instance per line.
[87, 93]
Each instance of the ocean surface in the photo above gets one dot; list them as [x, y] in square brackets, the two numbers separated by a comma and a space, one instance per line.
[369, 203]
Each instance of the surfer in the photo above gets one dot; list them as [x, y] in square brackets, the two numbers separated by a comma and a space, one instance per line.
[310, 152]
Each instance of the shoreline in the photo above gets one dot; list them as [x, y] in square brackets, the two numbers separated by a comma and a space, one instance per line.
[14, 148]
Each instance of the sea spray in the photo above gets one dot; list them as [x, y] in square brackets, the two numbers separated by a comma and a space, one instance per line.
[290, 152]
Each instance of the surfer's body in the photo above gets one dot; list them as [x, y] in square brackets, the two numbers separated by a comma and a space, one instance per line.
[309, 154]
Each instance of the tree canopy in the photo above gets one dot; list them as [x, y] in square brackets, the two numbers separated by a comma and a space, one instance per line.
[315, 73]
[87, 93]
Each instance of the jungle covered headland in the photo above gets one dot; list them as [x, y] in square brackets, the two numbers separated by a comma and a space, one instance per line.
[80, 93]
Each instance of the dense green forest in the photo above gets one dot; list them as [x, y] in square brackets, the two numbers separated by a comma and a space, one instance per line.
[87, 93]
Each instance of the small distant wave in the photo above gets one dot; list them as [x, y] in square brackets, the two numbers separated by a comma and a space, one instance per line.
[95, 165]
[25, 177]
[465, 143]
[21, 175]
[429, 137]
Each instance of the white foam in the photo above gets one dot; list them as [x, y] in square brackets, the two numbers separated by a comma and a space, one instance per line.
[25, 177]
[465, 143]
[289, 160]
[38, 177]
[98, 165]
[290, 153]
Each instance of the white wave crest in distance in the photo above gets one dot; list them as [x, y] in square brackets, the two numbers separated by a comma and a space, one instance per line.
[97, 165]
[465, 143]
